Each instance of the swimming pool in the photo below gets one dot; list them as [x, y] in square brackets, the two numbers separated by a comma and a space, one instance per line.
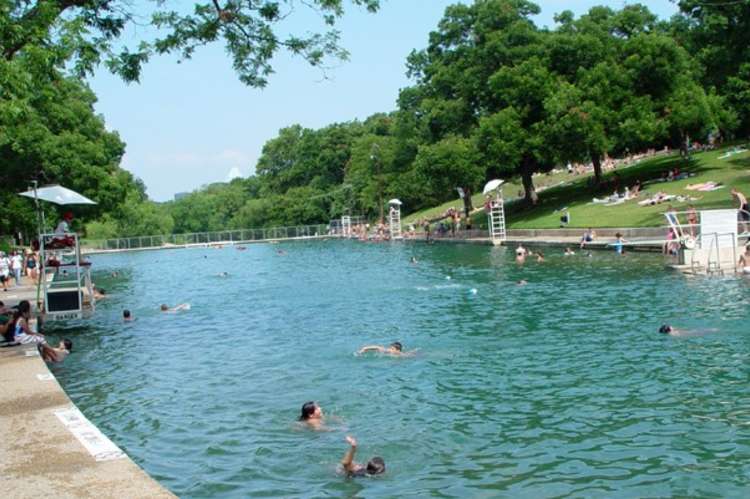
[562, 386]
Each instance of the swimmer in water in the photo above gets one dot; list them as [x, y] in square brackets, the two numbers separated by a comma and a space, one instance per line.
[672, 331]
[413, 260]
[522, 282]
[177, 308]
[521, 254]
[374, 466]
[539, 257]
[222, 274]
[126, 315]
[395, 349]
[569, 252]
[312, 415]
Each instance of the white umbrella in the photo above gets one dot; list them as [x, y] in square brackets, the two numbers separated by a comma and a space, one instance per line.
[492, 185]
[57, 194]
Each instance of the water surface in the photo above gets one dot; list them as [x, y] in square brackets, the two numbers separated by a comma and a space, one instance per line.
[560, 387]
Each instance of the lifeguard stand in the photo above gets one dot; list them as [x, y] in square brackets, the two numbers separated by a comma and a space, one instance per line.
[711, 246]
[496, 213]
[68, 292]
[346, 226]
[394, 218]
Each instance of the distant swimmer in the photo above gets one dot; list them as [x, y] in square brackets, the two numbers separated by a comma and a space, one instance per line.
[569, 252]
[396, 349]
[521, 254]
[522, 282]
[413, 260]
[312, 415]
[177, 308]
[673, 331]
[127, 316]
[222, 274]
[539, 257]
[374, 466]
[281, 252]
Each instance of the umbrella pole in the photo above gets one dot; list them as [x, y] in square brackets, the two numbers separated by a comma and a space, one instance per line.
[40, 227]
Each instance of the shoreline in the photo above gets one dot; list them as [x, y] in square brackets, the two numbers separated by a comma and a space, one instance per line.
[50, 448]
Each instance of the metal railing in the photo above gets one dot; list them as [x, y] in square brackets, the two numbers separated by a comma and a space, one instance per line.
[207, 238]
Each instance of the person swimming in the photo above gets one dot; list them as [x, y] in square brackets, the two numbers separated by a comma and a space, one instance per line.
[521, 254]
[395, 349]
[311, 415]
[126, 315]
[375, 466]
[177, 308]
[569, 252]
[673, 331]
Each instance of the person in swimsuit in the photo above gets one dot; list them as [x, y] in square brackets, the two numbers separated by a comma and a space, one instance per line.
[177, 308]
[743, 207]
[312, 415]
[744, 263]
[395, 349]
[619, 244]
[374, 466]
[521, 254]
[23, 333]
[59, 354]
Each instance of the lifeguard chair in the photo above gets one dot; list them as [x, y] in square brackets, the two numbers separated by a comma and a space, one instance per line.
[394, 218]
[495, 211]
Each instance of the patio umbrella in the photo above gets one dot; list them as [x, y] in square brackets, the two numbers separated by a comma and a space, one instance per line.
[492, 185]
[57, 194]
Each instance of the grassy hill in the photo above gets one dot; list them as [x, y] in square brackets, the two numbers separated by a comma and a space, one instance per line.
[575, 193]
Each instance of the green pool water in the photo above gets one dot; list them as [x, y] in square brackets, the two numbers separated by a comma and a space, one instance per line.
[562, 387]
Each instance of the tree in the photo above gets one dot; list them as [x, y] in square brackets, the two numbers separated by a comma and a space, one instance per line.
[453, 162]
[85, 33]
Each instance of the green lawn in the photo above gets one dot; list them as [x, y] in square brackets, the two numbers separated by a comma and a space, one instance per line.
[576, 195]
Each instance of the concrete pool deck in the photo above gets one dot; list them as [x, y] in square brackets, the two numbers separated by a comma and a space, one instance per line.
[42, 449]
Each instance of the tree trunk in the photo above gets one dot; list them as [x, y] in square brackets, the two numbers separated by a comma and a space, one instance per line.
[527, 170]
[596, 159]
[468, 207]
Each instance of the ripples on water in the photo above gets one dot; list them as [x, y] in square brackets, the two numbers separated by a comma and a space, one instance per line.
[559, 387]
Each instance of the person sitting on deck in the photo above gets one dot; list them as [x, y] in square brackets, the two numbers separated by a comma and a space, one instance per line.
[177, 308]
[374, 466]
[59, 354]
[395, 349]
[22, 332]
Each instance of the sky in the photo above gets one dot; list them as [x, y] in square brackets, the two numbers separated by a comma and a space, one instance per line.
[193, 123]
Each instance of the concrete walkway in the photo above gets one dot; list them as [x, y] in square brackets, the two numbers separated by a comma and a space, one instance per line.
[42, 448]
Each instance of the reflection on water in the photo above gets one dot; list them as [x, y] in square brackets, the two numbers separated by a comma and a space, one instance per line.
[562, 386]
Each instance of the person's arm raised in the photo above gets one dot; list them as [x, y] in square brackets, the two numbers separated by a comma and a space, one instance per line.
[348, 460]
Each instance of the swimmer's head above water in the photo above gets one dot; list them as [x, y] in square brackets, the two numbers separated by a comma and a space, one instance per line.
[666, 329]
[396, 345]
[310, 410]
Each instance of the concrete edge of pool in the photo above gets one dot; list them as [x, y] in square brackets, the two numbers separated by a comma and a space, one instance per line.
[42, 448]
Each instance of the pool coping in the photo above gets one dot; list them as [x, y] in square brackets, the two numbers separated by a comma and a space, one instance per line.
[40, 452]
